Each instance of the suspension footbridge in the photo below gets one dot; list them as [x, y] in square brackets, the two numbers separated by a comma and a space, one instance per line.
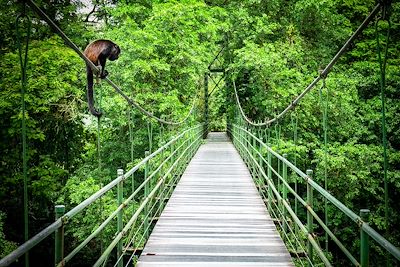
[215, 216]
[216, 202]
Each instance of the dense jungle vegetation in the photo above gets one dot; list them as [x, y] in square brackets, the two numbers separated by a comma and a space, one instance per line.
[273, 50]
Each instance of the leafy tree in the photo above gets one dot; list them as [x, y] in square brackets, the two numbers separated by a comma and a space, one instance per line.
[273, 50]
[54, 129]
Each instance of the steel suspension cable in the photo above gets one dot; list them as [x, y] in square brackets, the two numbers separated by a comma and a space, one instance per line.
[71, 44]
[23, 58]
[323, 74]
[241, 109]
[147, 113]
[101, 204]
[294, 121]
[382, 83]
[324, 106]
[131, 119]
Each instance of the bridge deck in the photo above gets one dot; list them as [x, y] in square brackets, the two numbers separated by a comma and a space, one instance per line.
[215, 217]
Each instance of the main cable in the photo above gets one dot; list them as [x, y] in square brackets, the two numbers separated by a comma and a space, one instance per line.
[71, 44]
[322, 75]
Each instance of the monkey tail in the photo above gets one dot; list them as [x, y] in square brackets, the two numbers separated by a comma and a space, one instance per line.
[90, 98]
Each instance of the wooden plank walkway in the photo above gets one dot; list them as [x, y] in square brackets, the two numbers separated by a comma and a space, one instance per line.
[215, 217]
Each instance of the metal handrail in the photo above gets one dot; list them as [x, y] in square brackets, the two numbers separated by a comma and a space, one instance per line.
[281, 200]
[241, 134]
[62, 221]
[141, 207]
[120, 207]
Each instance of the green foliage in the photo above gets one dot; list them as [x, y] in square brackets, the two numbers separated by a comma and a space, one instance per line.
[53, 142]
[269, 74]
[169, 53]
[6, 246]
[77, 190]
[273, 51]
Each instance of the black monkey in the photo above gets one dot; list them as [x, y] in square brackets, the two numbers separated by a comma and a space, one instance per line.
[98, 52]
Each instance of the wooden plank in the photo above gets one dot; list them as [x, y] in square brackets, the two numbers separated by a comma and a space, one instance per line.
[215, 217]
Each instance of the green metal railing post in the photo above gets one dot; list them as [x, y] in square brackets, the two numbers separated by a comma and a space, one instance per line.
[205, 131]
[364, 240]
[23, 59]
[150, 135]
[278, 162]
[59, 236]
[120, 226]
[146, 194]
[178, 166]
[254, 154]
[269, 174]
[238, 139]
[241, 140]
[284, 176]
[197, 141]
[234, 135]
[241, 136]
[161, 196]
[265, 134]
[294, 124]
[247, 137]
[309, 215]
[191, 150]
[131, 143]
[248, 146]
[261, 163]
[173, 159]
[244, 145]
